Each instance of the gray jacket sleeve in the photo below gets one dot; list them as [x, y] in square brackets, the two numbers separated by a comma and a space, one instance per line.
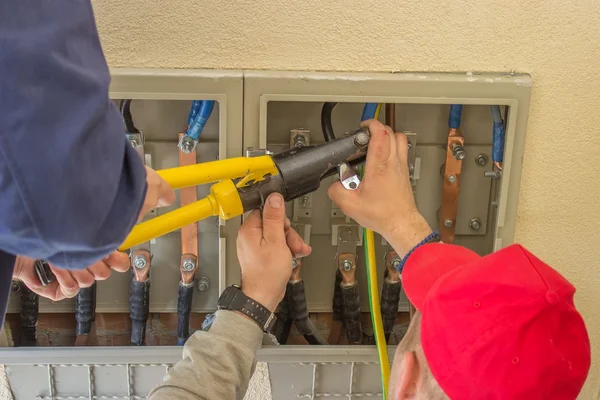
[217, 364]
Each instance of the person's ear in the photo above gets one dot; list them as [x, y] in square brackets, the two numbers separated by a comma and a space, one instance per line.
[409, 379]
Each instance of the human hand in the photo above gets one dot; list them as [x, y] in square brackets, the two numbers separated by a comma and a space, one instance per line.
[265, 247]
[158, 194]
[68, 282]
[384, 200]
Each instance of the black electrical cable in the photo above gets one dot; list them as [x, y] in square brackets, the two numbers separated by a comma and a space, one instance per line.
[139, 307]
[284, 321]
[390, 296]
[351, 304]
[299, 311]
[184, 308]
[125, 108]
[85, 310]
[326, 124]
[29, 316]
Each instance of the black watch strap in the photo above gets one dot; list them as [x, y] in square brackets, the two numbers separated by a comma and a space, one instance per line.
[234, 299]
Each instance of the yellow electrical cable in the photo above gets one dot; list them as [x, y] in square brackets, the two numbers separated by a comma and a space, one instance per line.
[376, 310]
[376, 116]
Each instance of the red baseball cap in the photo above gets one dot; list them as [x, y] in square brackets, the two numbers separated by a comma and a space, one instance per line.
[502, 326]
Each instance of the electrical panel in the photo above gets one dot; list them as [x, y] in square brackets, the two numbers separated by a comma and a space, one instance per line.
[256, 112]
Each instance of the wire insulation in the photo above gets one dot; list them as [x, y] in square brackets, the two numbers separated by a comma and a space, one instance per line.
[326, 124]
[125, 108]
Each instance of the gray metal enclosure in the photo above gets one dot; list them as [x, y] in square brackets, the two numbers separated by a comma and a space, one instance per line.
[259, 109]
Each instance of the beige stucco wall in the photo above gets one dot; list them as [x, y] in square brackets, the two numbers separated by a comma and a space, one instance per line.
[557, 42]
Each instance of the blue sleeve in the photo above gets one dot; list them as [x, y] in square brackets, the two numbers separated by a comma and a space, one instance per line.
[71, 186]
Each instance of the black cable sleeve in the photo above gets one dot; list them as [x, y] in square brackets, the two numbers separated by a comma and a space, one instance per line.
[125, 108]
[326, 124]
[299, 312]
[390, 296]
[338, 308]
[139, 306]
[29, 316]
[85, 310]
[351, 303]
[284, 321]
[184, 308]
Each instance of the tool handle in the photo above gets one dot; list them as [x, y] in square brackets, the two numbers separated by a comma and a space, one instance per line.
[44, 273]
[139, 306]
[85, 310]
[184, 308]
[351, 304]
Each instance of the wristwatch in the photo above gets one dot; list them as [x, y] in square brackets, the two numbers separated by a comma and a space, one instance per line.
[234, 299]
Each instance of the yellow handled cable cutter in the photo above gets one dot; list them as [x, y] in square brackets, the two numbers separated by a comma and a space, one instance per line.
[244, 183]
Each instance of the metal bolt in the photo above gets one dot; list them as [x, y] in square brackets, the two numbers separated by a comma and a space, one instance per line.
[15, 287]
[304, 200]
[395, 263]
[458, 151]
[203, 284]
[481, 160]
[448, 223]
[299, 141]
[188, 265]
[475, 224]
[347, 265]
[187, 144]
[495, 174]
[451, 178]
[139, 261]
[409, 144]
[294, 263]
[361, 139]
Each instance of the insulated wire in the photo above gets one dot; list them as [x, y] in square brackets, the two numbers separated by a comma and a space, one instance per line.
[373, 290]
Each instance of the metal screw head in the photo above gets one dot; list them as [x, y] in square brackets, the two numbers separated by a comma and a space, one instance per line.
[361, 139]
[395, 263]
[481, 160]
[139, 261]
[304, 200]
[495, 174]
[448, 223]
[475, 224]
[451, 178]
[15, 287]
[409, 142]
[458, 152]
[347, 265]
[299, 141]
[203, 284]
[294, 263]
[187, 144]
[188, 265]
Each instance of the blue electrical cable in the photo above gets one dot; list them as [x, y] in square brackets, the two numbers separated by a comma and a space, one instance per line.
[193, 111]
[498, 135]
[455, 116]
[369, 111]
[199, 121]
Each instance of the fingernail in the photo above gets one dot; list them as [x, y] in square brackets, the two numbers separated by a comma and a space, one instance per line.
[275, 200]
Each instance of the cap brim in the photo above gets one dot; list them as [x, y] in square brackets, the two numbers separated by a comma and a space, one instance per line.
[429, 263]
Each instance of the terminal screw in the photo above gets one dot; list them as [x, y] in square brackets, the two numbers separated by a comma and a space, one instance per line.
[458, 152]
[448, 223]
[140, 261]
[304, 201]
[294, 263]
[395, 263]
[481, 160]
[475, 224]
[188, 265]
[15, 287]
[347, 265]
[203, 284]
[451, 178]
[187, 144]
[299, 141]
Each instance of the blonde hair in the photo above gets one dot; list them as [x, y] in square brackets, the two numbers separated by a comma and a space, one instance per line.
[428, 388]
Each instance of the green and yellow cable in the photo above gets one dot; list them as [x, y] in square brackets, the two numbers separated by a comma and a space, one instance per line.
[373, 290]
